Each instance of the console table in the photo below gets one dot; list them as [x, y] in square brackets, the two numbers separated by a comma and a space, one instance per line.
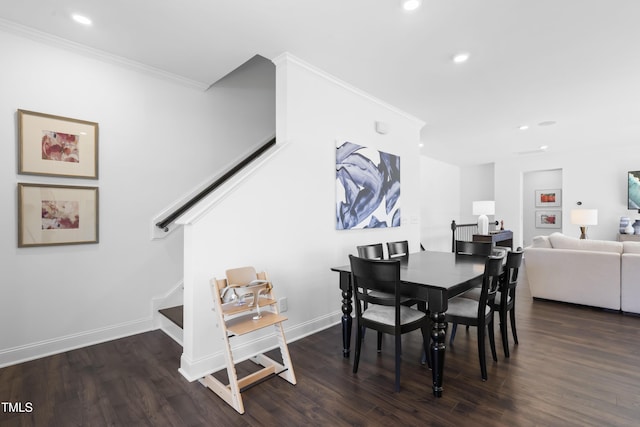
[502, 238]
[628, 237]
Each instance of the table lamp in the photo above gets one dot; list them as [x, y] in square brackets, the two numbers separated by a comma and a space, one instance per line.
[584, 217]
[484, 208]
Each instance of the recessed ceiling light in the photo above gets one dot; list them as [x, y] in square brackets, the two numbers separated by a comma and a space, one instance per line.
[524, 127]
[461, 57]
[421, 145]
[544, 147]
[80, 19]
[410, 5]
[547, 123]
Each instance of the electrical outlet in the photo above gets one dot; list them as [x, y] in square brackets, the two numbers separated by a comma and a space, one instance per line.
[282, 304]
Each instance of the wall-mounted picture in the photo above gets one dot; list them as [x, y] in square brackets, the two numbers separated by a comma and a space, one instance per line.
[367, 187]
[57, 146]
[548, 219]
[633, 188]
[57, 215]
[548, 198]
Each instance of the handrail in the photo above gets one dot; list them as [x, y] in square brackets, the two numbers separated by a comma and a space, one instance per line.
[163, 225]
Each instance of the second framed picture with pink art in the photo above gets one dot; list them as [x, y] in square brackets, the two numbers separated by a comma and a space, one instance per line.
[57, 146]
[56, 215]
[549, 219]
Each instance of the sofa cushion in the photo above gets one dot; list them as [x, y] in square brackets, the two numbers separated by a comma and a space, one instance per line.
[575, 276]
[631, 247]
[541, 242]
[560, 241]
[630, 280]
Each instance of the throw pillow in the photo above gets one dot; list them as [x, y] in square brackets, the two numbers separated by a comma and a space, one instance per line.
[541, 242]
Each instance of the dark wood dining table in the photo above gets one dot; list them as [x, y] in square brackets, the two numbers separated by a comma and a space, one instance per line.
[433, 277]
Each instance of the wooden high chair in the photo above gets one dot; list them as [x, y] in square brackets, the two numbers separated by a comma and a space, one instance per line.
[244, 302]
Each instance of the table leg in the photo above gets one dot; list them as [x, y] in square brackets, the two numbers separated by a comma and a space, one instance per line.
[347, 308]
[438, 334]
[346, 323]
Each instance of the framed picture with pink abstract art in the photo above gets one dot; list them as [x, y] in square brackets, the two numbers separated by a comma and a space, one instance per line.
[549, 219]
[57, 215]
[548, 198]
[57, 146]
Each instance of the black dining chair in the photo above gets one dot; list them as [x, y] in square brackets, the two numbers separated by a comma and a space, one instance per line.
[506, 298]
[374, 251]
[398, 249]
[479, 313]
[464, 248]
[505, 306]
[385, 314]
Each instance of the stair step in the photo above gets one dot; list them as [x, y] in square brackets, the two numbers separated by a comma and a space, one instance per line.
[175, 314]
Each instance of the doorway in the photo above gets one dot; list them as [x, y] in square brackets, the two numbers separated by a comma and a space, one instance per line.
[542, 215]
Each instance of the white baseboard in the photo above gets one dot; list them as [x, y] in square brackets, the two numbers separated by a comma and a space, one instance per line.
[193, 370]
[25, 353]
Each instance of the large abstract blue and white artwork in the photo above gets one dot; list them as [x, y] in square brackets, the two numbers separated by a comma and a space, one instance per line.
[367, 187]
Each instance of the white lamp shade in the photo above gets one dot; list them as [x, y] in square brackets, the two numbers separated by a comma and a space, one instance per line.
[484, 207]
[584, 217]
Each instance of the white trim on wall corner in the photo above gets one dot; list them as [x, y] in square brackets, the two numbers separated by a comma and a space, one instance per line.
[287, 57]
[15, 355]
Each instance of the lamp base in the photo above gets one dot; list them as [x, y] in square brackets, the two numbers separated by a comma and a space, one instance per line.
[483, 224]
[583, 232]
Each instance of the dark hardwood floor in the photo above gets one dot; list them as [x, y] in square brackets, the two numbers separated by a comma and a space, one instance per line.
[575, 366]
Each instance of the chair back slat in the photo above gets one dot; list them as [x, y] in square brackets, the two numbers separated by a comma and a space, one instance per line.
[398, 249]
[474, 248]
[373, 251]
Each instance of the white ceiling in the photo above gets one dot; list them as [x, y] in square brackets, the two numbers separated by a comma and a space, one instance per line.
[575, 62]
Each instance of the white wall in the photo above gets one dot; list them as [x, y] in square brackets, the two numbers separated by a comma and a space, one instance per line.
[533, 181]
[597, 178]
[440, 197]
[158, 139]
[282, 218]
[447, 193]
[477, 183]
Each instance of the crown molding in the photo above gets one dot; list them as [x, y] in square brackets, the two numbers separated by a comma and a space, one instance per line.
[59, 42]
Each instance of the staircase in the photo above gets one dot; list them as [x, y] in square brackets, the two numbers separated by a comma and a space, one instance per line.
[171, 320]
[175, 314]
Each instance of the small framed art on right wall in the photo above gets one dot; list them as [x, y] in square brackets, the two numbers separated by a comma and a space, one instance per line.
[548, 198]
[549, 219]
